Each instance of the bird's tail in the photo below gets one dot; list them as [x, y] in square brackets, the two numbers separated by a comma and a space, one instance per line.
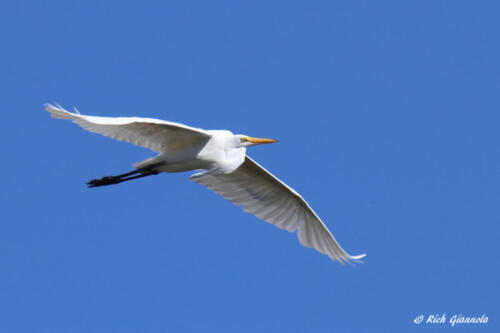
[148, 163]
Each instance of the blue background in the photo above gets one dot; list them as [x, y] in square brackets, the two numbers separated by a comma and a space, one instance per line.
[388, 118]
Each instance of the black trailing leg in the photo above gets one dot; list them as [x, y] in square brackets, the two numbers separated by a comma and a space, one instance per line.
[139, 173]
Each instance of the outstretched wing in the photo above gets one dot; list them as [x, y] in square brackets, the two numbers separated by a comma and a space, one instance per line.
[260, 193]
[158, 135]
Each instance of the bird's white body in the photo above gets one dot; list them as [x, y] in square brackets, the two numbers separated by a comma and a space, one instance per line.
[217, 154]
[229, 171]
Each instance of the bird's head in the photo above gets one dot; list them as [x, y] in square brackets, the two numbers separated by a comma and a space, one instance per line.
[246, 141]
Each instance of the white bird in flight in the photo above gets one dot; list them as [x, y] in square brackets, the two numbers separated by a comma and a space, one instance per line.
[229, 171]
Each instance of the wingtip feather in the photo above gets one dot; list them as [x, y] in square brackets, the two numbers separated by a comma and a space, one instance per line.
[359, 256]
[57, 111]
[356, 259]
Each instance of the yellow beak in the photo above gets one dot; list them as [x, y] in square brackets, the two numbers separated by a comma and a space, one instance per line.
[258, 141]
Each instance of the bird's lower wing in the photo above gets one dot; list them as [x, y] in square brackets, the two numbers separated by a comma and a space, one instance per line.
[260, 193]
[157, 135]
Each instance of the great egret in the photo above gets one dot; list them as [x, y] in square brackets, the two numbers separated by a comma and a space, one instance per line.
[229, 171]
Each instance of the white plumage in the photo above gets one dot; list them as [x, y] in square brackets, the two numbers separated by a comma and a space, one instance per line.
[230, 172]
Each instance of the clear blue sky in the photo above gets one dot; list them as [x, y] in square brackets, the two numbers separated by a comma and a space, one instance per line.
[388, 117]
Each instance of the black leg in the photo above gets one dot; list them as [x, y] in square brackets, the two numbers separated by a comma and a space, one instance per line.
[110, 180]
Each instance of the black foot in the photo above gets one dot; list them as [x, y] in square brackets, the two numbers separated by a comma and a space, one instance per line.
[108, 180]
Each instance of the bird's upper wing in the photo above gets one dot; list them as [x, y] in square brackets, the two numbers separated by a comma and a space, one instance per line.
[260, 193]
[157, 135]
